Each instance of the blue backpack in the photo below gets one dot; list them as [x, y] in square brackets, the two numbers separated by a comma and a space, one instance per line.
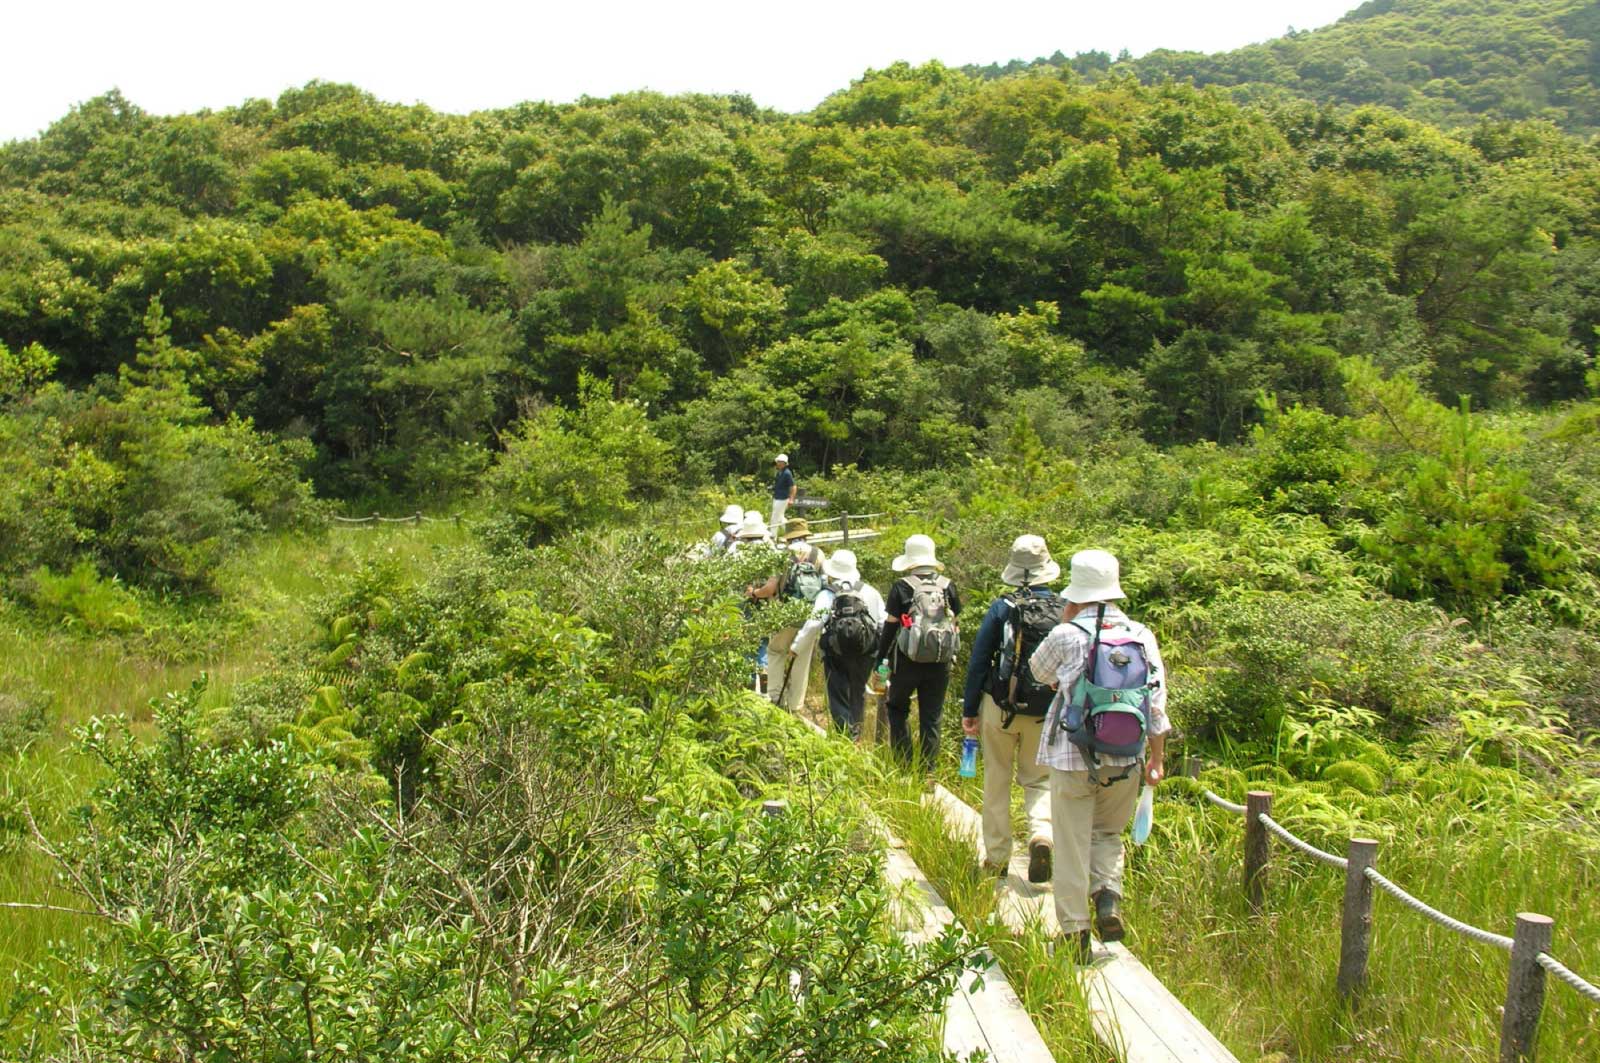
[1108, 709]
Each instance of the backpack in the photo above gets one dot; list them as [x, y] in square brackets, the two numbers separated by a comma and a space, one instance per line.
[1012, 685]
[1108, 709]
[928, 632]
[849, 633]
[804, 578]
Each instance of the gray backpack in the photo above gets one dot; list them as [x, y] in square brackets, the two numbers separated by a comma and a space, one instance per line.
[928, 634]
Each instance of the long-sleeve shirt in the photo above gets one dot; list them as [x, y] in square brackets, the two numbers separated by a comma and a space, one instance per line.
[986, 651]
[901, 596]
[811, 630]
[1061, 659]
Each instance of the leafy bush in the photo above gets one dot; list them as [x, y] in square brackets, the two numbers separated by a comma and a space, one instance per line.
[83, 598]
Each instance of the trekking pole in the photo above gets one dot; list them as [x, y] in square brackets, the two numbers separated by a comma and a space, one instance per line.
[787, 673]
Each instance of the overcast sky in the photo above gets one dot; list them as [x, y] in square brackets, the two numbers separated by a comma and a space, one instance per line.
[170, 56]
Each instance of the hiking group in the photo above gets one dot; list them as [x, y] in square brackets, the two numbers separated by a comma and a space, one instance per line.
[1065, 693]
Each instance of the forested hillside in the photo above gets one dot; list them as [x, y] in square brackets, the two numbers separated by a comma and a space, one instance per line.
[1451, 62]
[1324, 380]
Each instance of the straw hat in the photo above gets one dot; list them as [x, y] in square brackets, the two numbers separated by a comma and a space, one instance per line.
[732, 515]
[918, 554]
[1096, 577]
[1030, 564]
[795, 529]
[840, 566]
[753, 526]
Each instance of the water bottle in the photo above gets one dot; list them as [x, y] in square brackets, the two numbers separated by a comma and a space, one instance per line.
[1144, 815]
[969, 757]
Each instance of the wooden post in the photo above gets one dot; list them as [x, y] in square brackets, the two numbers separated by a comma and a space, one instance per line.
[1192, 766]
[1355, 926]
[1519, 1028]
[1257, 848]
[774, 808]
[844, 526]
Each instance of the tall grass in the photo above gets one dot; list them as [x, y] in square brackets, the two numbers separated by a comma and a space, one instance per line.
[265, 596]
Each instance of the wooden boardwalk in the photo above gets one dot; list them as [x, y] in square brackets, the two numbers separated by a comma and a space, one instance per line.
[989, 1019]
[1133, 1013]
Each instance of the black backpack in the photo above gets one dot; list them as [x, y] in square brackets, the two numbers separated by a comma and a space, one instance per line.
[1013, 687]
[849, 633]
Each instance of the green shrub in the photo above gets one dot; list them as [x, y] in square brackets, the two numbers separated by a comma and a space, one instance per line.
[83, 598]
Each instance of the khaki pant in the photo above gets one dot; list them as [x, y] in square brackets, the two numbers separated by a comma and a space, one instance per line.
[779, 671]
[1011, 753]
[1089, 820]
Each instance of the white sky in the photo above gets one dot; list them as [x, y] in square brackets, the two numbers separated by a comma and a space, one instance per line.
[170, 56]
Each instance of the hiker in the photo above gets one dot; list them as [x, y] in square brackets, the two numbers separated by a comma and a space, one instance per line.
[801, 580]
[784, 490]
[753, 534]
[1105, 734]
[728, 530]
[1003, 706]
[845, 624]
[918, 645]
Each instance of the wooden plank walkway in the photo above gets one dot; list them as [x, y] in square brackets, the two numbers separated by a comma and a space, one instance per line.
[990, 1019]
[1133, 1013]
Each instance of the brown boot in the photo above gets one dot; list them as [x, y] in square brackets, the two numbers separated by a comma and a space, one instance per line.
[1107, 916]
[1038, 863]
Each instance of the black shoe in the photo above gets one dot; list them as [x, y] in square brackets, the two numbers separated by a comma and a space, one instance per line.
[1107, 918]
[1079, 948]
[1038, 862]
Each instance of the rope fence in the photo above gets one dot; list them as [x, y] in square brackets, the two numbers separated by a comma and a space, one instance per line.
[358, 522]
[1530, 958]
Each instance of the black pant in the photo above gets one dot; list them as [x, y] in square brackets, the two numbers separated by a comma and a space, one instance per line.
[847, 690]
[929, 683]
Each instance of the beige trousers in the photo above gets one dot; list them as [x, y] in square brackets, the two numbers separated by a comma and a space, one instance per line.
[1089, 820]
[779, 670]
[1011, 753]
[780, 512]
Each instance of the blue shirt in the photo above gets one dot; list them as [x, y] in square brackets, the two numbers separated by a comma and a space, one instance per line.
[986, 650]
[783, 484]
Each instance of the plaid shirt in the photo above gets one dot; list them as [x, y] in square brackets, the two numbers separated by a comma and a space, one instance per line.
[1060, 659]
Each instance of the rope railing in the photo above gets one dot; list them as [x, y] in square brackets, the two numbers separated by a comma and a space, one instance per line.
[1530, 960]
[1499, 941]
[1304, 846]
[375, 518]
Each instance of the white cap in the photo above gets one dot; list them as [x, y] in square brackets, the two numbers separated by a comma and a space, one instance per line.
[783, 458]
[1096, 577]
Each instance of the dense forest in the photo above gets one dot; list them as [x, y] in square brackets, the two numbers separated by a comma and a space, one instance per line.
[1323, 376]
[1450, 62]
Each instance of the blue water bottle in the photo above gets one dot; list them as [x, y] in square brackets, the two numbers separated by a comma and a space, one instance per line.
[969, 757]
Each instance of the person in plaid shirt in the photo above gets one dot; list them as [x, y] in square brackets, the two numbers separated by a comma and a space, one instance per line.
[1087, 817]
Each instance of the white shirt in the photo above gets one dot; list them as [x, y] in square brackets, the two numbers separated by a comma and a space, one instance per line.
[1061, 658]
[811, 630]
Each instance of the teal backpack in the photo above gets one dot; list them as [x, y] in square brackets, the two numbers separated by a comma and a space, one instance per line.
[1107, 712]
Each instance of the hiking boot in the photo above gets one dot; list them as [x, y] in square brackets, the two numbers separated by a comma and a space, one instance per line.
[1078, 948]
[1038, 862]
[1107, 917]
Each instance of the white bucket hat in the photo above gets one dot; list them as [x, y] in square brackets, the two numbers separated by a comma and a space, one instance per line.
[783, 458]
[732, 515]
[1096, 577]
[841, 566]
[753, 526]
[919, 554]
[1030, 563]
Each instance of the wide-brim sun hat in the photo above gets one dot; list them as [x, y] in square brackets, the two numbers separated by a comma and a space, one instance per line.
[753, 526]
[795, 529]
[1096, 577]
[919, 553]
[732, 515]
[1030, 563]
[841, 566]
